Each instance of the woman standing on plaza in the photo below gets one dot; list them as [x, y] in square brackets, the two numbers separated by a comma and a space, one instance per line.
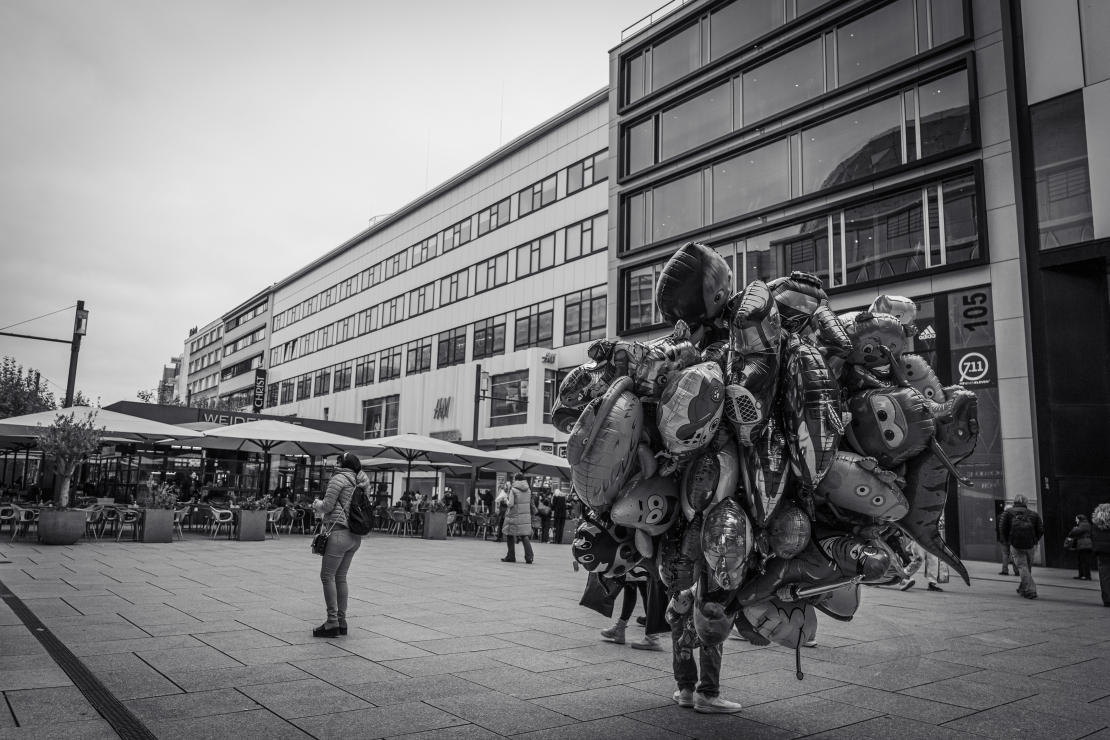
[518, 519]
[342, 543]
[1081, 536]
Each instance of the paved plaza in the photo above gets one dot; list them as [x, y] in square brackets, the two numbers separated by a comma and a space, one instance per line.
[211, 639]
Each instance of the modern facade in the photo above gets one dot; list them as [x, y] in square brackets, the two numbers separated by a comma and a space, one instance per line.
[201, 359]
[245, 344]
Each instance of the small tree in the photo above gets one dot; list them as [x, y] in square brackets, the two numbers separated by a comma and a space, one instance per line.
[22, 393]
[67, 441]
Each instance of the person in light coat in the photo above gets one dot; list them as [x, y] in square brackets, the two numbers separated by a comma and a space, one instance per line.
[518, 519]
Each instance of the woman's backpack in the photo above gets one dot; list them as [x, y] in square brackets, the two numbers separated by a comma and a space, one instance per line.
[1023, 532]
[360, 515]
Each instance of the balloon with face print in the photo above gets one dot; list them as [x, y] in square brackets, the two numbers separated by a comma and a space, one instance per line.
[891, 425]
[689, 411]
[858, 484]
[647, 504]
[755, 330]
[605, 551]
[694, 285]
[855, 556]
[603, 444]
[870, 334]
[900, 307]
[922, 378]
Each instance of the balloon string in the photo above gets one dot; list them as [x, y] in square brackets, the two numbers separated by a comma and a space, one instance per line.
[798, 654]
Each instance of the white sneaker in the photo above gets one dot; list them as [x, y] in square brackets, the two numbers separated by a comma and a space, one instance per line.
[684, 698]
[650, 642]
[811, 642]
[614, 633]
[907, 584]
[715, 705]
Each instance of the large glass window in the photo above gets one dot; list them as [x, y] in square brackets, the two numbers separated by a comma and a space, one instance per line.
[304, 386]
[751, 181]
[677, 56]
[272, 395]
[784, 82]
[454, 287]
[456, 236]
[640, 143]
[321, 384]
[364, 369]
[641, 311]
[584, 317]
[451, 347]
[534, 326]
[510, 399]
[491, 273]
[961, 217]
[535, 196]
[535, 256]
[885, 238]
[489, 337]
[418, 356]
[587, 237]
[698, 120]
[945, 114]
[585, 173]
[862, 143]
[341, 377]
[677, 207]
[741, 22]
[379, 417]
[1060, 164]
[287, 391]
[420, 300]
[493, 217]
[389, 366]
[875, 41]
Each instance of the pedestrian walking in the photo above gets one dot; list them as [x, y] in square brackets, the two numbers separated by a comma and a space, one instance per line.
[342, 543]
[518, 519]
[502, 504]
[1023, 529]
[1100, 543]
[1079, 540]
[1005, 545]
[559, 515]
[543, 510]
[634, 583]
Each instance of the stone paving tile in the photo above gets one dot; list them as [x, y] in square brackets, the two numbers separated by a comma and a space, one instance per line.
[263, 656]
[427, 688]
[885, 728]
[709, 726]
[96, 729]
[137, 684]
[970, 694]
[20, 644]
[240, 640]
[603, 702]
[226, 678]
[255, 725]
[500, 713]
[141, 644]
[893, 676]
[461, 732]
[901, 705]
[378, 722]
[545, 640]
[379, 648]
[807, 715]
[1014, 721]
[606, 674]
[519, 683]
[304, 698]
[348, 671]
[401, 630]
[50, 706]
[536, 660]
[1035, 685]
[430, 666]
[195, 659]
[611, 728]
[472, 644]
[183, 706]
[760, 688]
[33, 678]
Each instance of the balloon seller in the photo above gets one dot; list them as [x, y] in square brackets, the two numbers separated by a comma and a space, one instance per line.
[762, 462]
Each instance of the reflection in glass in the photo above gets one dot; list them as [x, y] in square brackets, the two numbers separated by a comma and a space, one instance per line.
[804, 6]
[675, 57]
[945, 114]
[1060, 164]
[677, 207]
[861, 143]
[751, 181]
[637, 217]
[875, 41]
[642, 311]
[698, 120]
[635, 72]
[785, 81]
[961, 237]
[740, 22]
[804, 246]
[641, 145]
[948, 20]
[1094, 21]
[885, 238]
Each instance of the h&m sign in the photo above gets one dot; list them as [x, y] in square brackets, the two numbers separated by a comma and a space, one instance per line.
[443, 408]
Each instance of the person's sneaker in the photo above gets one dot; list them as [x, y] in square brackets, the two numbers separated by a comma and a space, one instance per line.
[715, 705]
[641, 621]
[650, 642]
[935, 587]
[1031, 596]
[614, 633]
[907, 584]
[684, 698]
[508, 560]
[811, 642]
[1077, 578]
[1004, 573]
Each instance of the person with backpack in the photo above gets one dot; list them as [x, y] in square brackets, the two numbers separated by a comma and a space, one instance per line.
[346, 517]
[1080, 542]
[1023, 529]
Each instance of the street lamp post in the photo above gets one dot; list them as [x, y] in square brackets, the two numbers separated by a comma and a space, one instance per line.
[80, 327]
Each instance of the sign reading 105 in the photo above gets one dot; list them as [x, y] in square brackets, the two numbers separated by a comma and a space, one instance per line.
[975, 311]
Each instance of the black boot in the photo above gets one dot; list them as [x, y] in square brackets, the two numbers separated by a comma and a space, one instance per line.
[325, 631]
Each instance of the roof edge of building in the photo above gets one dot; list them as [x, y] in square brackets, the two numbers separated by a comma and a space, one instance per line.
[591, 101]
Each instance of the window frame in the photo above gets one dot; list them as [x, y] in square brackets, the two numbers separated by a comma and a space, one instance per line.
[499, 381]
[490, 326]
[450, 340]
[586, 296]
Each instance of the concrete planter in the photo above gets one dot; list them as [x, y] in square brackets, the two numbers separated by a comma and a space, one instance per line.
[61, 527]
[157, 525]
[435, 525]
[252, 526]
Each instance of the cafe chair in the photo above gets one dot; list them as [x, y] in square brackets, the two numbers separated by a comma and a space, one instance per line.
[7, 516]
[452, 522]
[221, 517]
[92, 519]
[483, 523]
[24, 520]
[272, 518]
[402, 522]
[128, 518]
[179, 520]
[109, 520]
[297, 518]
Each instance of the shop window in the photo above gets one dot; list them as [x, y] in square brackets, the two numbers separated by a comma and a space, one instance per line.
[1063, 182]
[534, 326]
[489, 337]
[389, 364]
[587, 237]
[510, 399]
[341, 378]
[418, 356]
[584, 316]
[587, 172]
[379, 417]
[451, 347]
[364, 370]
[535, 256]
[536, 196]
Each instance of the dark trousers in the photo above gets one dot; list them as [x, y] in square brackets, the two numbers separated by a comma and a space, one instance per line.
[1104, 575]
[1084, 558]
[629, 604]
[686, 669]
[500, 525]
[1023, 562]
[560, 523]
[545, 522]
[524, 540]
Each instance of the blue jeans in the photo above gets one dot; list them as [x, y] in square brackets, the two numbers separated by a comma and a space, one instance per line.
[342, 546]
[686, 669]
[1023, 563]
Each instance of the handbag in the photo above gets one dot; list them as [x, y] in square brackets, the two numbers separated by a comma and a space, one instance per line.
[598, 596]
[320, 540]
[1069, 543]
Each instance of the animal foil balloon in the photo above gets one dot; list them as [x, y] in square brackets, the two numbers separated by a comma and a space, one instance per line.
[876, 338]
[690, 409]
[855, 556]
[891, 425]
[811, 412]
[607, 552]
[798, 298]
[649, 505]
[679, 556]
[756, 334]
[603, 444]
[922, 378]
[694, 285]
[899, 307]
[859, 484]
[726, 540]
[651, 366]
[765, 467]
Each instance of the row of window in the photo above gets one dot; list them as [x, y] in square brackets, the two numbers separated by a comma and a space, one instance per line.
[245, 317]
[205, 360]
[580, 239]
[245, 341]
[579, 175]
[924, 120]
[207, 339]
[240, 368]
[886, 238]
[239, 399]
[1063, 181]
[584, 320]
[878, 40]
[203, 384]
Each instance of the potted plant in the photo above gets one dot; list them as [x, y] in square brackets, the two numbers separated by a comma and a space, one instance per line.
[252, 519]
[64, 443]
[435, 522]
[158, 500]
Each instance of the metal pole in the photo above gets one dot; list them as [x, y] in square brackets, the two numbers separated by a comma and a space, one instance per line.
[477, 412]
[75, 349]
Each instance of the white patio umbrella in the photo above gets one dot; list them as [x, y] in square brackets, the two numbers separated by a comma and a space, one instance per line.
[116, 425]
[417, 449]
[529, 461]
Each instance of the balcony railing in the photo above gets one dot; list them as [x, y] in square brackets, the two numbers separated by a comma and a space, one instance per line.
[649, 20]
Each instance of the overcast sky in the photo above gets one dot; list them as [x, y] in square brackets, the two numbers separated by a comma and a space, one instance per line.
[163, 161]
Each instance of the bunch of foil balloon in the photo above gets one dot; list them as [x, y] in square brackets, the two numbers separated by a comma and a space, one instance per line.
[767, 458]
